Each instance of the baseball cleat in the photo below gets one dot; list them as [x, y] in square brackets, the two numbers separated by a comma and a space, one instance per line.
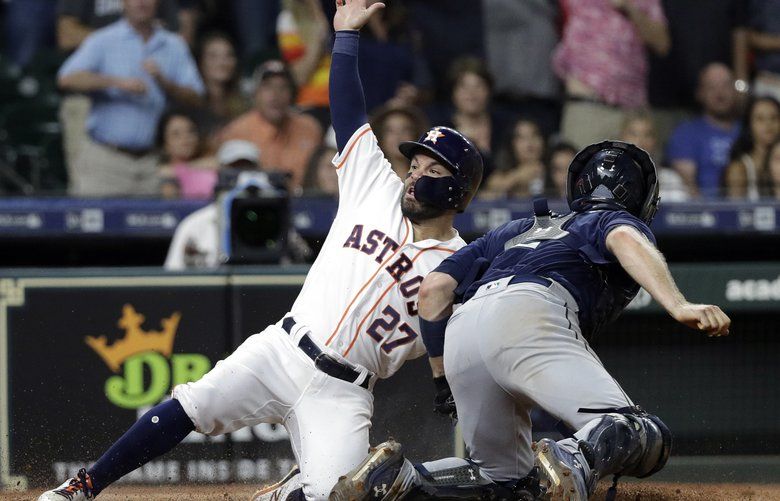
[78, 488]
[372, 479]
[566, 476]
[281, 489]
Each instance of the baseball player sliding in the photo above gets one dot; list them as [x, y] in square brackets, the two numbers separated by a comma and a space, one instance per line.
[533, 292]
[354, 321]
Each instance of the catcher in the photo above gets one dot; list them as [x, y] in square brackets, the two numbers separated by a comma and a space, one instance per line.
[533, 292]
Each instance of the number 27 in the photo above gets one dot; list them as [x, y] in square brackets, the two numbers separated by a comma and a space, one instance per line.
[381, 326]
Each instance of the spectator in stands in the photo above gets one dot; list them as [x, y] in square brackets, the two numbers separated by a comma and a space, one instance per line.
[392, 69]
[700, 36]
[185, 171]
[132, 69]
[76, 20]
[286, 137]
[639, 128]
[303, 34]
[321, 179]
[393, 125]
[196, 241]
[745, 175]
[29, 25]
[559, 158]
[444, 32]
[520, 169]
[219, 69]
[763, 39]
[472, 86]
[772, 170]
[519, 41]
[699, 149]
[603, 62]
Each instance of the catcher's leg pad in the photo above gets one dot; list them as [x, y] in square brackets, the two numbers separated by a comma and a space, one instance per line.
[627, 442]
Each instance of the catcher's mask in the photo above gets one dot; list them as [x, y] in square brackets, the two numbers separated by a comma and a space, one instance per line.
[613, 175]
[458, 155]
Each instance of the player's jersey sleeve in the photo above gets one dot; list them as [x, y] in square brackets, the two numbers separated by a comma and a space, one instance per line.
[482, 250]
[608, 221]
[365, 174]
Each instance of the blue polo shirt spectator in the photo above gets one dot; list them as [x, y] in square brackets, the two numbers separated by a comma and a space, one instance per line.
[699, 149]
[119, 115]
[708, 146]
[132, 69]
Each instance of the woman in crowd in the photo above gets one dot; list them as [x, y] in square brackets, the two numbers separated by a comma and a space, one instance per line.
[394, 124]
[558, 159]
[520, 170]
[472, 88]
[638, 127]
[771, 186]
[321, 179]
[185, 171]
[218, 67]
[759, 130]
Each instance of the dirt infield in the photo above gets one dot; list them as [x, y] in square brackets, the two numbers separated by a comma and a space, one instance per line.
[626, 492]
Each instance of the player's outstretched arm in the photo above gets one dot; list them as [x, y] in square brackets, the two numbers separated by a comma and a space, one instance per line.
[434, 303]
[648, 267]
[347, 102]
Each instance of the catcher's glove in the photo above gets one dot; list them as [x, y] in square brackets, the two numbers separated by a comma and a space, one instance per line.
[443, 402]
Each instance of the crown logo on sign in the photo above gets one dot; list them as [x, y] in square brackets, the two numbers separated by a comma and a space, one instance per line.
[136, 340]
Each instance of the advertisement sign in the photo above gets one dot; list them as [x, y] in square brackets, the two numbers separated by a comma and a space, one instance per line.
[81, 358]
[89, 355]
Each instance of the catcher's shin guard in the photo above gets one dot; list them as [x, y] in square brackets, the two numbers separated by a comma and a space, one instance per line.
[627, 442]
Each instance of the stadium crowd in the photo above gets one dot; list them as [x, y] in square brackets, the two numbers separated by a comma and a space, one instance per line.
[115, 98]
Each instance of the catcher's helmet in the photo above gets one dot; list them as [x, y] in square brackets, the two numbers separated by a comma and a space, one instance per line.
[459, 156]
[613, 174]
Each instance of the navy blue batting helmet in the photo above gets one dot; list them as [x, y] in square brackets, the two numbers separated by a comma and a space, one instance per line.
[458, 155]
[616, 175]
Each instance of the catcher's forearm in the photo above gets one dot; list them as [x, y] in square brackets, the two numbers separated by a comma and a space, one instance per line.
[435, 299]
[646, 265]
[437, 293]
[437, 366]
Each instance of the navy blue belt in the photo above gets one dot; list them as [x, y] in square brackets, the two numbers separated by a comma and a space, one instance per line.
[534, 279]
[323, 361]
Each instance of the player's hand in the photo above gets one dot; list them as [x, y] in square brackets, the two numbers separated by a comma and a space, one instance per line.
[354, 14]
[443, 401]
[131, 85]
[704, 317]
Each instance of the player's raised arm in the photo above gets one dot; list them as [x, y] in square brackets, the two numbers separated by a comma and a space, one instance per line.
[648, 268]
[347, 102]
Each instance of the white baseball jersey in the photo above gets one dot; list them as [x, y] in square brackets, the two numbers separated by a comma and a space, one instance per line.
[360, 296]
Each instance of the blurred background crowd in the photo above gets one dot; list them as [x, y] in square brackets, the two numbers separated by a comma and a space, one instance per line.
[115, 98]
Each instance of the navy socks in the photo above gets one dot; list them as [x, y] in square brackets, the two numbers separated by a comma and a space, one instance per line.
[157, 432]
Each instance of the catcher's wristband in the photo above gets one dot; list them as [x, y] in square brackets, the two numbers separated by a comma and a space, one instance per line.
[432, 334]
